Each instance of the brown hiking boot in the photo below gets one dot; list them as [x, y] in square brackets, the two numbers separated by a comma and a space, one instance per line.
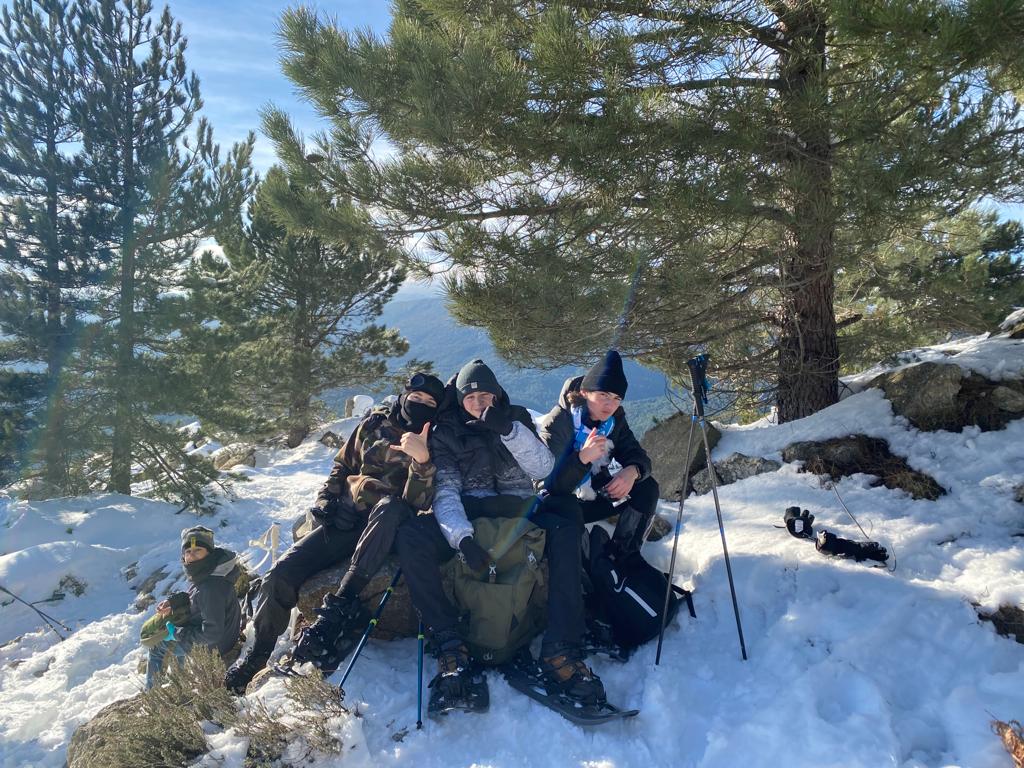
[566, 675]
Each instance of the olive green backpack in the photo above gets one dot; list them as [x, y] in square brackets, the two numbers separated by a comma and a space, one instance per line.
[507, 605]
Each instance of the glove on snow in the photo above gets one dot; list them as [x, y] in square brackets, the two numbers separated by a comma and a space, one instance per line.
[799, 523]
[830, 544]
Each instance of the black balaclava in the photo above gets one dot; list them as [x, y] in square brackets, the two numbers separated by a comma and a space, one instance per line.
[414, 414]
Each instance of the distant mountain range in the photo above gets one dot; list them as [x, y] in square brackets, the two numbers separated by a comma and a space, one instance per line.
[434, 335]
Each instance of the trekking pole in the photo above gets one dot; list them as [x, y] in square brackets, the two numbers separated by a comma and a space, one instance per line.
[698, 368]
[675, 541]
[369, 628]
[419, 678]
[50, 621]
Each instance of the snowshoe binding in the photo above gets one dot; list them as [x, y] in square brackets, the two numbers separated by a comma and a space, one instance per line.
[459, 685]
[327, 641]
[598, 640]
[565, 684]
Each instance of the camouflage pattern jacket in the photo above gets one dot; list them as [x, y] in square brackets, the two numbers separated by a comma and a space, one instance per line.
[368, 468]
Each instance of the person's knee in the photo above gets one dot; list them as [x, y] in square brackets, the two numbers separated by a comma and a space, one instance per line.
[647, 490]
[411, 535]
[391, 513]
[561, 512]
[281, 584]
[652, 488]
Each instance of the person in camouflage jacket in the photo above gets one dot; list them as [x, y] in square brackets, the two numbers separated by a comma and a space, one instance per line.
[382, 475]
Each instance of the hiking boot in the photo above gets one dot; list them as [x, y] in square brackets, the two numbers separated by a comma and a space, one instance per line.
[457, 685]
[567, 676]
[325, 642]
[453, 665]
[241, 674]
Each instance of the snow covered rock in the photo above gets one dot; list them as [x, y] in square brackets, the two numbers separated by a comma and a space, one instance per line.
[358, 406]
[330, 439]
[665, 443]
[933, 396]
[234, 454]
[845, 456]
[731, 469]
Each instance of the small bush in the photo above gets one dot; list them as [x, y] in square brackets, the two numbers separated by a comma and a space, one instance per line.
[163, 727]
[306, 722]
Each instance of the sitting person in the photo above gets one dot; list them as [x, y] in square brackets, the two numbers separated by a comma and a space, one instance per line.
[208, 614]
[585, 431]
[488, 456]
[381, 476]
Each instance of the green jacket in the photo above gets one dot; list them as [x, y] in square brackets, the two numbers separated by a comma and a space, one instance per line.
[367, 468]
[154, 631]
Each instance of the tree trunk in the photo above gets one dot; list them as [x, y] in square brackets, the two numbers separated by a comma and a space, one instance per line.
[121, 453]
[302, 374]
[808, 344]
[54, 465]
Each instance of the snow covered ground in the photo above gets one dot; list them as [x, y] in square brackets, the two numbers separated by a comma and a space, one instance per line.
[848, 665]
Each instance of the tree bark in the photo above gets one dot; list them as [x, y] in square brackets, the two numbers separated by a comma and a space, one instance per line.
[121, 453]
[808, 342]
[54, 465]
[302, 362]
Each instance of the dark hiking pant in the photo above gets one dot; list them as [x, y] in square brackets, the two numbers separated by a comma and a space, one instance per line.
[368, 546]
[634, 515]
[422, 548]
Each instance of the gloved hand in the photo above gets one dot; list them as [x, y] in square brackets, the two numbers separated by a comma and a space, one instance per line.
[799, 523]
[336, 513]
[495, 418]
[475, 556]
[181, 608]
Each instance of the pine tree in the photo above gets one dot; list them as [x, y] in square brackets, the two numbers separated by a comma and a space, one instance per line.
[157, 193]
[48, 258]
[947, 276]
[295, 297]
[664, 175]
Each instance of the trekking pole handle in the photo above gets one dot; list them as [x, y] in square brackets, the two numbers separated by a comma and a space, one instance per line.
[698, 379]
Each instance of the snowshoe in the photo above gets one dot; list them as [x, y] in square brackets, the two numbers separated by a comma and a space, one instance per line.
[327, 641]
[458, 685]
[565, 685]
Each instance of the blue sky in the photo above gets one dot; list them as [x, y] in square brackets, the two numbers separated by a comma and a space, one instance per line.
[233, 47]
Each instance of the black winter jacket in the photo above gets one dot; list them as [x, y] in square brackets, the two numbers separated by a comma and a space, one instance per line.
[216, 619]
[475, 461]
[557, 432]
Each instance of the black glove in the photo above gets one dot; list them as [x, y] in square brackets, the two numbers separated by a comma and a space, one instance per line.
[179, 601]
[475, 556]
[799, 523]
[830, 544]
[495, 418]
[336, 513]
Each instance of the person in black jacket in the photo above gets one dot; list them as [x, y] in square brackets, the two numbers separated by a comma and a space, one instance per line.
[208, 614]
[585, 431]
[488, 459]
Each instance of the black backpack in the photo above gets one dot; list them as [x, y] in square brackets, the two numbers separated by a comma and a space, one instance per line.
[626, 594]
